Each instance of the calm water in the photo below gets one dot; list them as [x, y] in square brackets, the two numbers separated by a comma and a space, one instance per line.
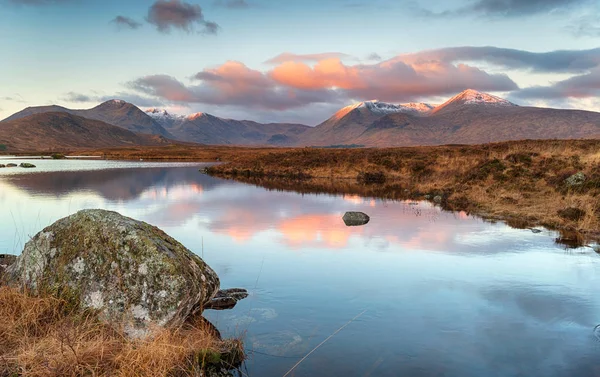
[445, 294]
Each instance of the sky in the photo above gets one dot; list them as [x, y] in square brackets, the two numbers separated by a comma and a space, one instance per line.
[296, 61]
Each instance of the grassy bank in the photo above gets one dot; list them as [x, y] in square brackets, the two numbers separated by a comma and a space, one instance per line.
[524, 182]
[45, 336]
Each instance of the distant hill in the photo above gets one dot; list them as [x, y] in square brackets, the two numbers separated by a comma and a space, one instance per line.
[61, 130]
[470, 117]
[116, 112]
[208, 129]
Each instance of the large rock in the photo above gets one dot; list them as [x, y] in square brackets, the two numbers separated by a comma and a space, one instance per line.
[355, 218]
[132, 272]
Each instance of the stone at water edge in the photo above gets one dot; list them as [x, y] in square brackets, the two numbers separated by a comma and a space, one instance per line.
[355, 218]
[133, 273]
[227, 299]
[5, 261]
[11, 165]
[27, 165]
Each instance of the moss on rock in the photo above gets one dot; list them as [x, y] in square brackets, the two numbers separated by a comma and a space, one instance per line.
[133, 273]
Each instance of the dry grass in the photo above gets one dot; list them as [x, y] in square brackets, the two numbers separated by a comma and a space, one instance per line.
[45, 336]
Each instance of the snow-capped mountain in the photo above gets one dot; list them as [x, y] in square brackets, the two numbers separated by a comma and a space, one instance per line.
[471, 97]
[379, 108]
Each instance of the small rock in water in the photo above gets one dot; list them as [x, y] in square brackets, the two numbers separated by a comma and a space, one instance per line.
[533, 230]
[227, 299]
[437, 199]
[2, 166]
[11, 165]
[27, 165]
[355, 218]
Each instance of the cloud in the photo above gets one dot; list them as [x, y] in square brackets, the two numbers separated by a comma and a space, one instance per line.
[323, 80]
[581, 86]
[295, 84]
[374, 56]
[392, 81]
[133, 98]
[16, 98]
[232, 84]
[126, 22]
[559, 61]
[507, 8]
[77, 97]
[289, 57]
[232, 4]
[166, 15]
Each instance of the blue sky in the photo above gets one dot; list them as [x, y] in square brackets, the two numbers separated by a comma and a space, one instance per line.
[211, 56]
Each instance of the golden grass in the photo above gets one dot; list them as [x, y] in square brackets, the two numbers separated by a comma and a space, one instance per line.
[44, 336]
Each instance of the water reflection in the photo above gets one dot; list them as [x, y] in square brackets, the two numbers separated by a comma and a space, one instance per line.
[446, 294]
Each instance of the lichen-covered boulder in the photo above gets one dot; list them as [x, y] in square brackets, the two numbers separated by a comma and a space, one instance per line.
[133, 273]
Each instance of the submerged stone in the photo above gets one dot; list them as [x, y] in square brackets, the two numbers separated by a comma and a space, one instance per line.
[133, 273]
[227, 299]
[355, 218]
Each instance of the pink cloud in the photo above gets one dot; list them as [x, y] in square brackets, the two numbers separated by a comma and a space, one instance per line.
[295, 84]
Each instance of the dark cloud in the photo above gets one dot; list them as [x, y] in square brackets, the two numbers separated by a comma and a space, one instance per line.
[177, 14]
[126, 22]
[507, 8]
[232, 4]
[559, 61]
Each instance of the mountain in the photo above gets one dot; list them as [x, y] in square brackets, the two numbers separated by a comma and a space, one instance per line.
[470, 117]
[471, 97]
[61, 130]
[346, 125]
[208, 129]
[116, 112]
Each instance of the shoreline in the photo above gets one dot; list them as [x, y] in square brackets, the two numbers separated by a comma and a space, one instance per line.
[523, 183]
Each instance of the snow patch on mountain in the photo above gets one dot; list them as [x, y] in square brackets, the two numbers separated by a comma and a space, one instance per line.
[384, 108]
[473, 97]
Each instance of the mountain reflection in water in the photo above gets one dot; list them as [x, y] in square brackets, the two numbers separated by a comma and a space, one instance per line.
[446, 294]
